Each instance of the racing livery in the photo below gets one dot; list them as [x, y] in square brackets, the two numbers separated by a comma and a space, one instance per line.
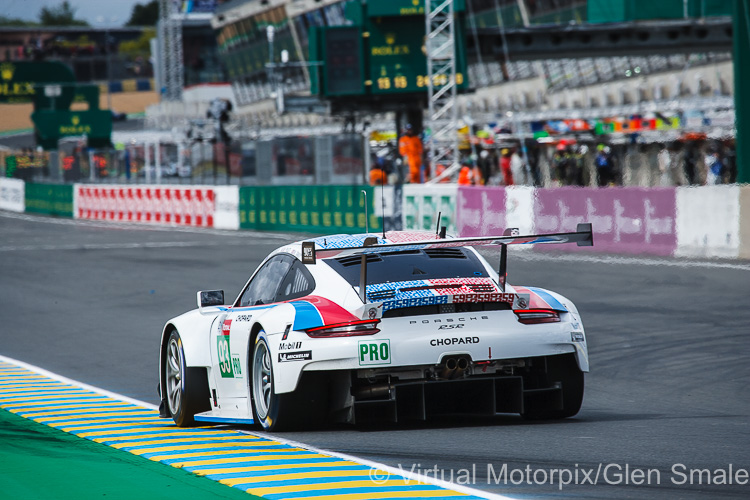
[362, 328]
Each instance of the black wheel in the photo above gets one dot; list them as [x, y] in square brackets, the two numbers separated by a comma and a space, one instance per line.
[186, 390]
[559, 371]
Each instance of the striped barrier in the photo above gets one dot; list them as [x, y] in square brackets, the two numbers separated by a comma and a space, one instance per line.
[259, 465]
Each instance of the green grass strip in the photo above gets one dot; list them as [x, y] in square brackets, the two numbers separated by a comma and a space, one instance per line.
[39, 462]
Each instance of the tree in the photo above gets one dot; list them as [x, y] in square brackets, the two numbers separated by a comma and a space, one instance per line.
[144, 15]
[13, 21]
[141, 46]
[62, 15]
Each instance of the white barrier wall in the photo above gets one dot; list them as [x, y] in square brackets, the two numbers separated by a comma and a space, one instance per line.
[745, 222]
[227, 207]
[519, 208]
[12, 195]
[708, 221]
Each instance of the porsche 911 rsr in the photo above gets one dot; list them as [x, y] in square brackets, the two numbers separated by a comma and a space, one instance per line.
[362, 328]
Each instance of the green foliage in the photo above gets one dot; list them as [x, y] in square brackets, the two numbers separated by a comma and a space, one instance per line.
[144, 15]
[62, 15]
[140, 46]
[12, 21]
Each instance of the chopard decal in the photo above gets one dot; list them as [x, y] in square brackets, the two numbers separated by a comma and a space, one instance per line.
[454, 340]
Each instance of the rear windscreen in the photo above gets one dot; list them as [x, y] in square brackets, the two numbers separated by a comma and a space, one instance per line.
[436, 263]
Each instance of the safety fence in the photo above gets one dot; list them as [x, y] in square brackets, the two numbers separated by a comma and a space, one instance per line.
[706, 221]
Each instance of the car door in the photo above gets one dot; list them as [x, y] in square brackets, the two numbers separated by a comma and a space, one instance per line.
[230, 345]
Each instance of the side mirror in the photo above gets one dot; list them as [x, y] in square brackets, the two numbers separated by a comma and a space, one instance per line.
[211, 298]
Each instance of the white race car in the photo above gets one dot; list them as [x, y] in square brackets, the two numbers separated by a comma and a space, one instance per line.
[363, 328]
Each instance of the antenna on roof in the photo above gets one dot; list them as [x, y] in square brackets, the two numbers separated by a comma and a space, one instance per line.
[367, 230]
[437, 229]
[382, 206]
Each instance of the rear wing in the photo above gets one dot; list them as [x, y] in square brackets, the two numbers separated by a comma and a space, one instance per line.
[582, 236]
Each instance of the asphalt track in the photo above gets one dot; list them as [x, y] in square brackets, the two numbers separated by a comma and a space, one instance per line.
[668, 341]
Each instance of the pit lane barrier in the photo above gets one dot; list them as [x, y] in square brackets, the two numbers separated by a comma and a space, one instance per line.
[689, 222]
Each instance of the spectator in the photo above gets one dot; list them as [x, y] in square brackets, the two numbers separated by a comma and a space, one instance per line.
[664, 161]
[476, 175]
[690, 158]
[604, 165]
[410, 147]
[730, 162]
[532, 161]
[517, 169]
[465, 175]
[577, 159]
[485, 165]
[378, 175]
[560, 164]
[439, 169]
[505, 167]
[714, 167]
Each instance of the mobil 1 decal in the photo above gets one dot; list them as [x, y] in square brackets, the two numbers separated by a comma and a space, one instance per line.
[374, 352]
[229, 367]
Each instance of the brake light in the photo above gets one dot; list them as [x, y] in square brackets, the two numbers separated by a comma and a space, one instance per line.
[536, 316]
[348, 329]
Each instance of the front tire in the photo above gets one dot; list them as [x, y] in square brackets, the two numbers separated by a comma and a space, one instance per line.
[186, 389]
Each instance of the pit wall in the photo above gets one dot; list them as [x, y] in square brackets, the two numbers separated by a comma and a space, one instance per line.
[688, 222]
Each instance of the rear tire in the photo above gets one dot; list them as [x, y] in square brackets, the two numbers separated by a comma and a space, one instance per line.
[561, 370]
[186, 389]
[280, 412]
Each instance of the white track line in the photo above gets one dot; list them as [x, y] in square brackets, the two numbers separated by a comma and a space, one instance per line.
[118, 246]
[417, 478]
[147, 226]
[523, 254]
[65, 380]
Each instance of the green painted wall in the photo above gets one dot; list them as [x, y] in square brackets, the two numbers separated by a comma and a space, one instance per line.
[52, 199]
[741, 54]
[313, 209]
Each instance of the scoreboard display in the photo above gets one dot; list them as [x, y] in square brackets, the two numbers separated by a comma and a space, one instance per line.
[381, 52]
[397, 56]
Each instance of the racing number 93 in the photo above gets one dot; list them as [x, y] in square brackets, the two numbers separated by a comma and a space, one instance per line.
[375, 352]
[225, 359]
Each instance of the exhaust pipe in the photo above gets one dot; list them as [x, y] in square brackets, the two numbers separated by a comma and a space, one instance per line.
[379, 391]
[454, 367]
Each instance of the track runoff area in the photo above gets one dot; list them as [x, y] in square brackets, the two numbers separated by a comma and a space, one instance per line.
[254, 463]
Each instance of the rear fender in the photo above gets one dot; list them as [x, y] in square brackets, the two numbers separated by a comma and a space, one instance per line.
[582, 354]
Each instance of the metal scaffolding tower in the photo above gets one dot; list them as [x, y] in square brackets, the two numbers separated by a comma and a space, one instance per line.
[171, 75]
[442, 119]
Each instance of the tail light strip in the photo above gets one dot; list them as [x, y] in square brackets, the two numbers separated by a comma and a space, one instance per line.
[346, 329]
